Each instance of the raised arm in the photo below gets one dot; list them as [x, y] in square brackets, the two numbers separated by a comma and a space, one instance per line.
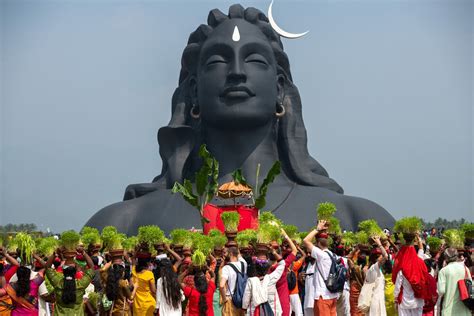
[308, 240]
[9, 258]
[294, 250]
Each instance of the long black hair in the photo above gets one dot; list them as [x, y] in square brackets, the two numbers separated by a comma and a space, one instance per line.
[69, 285]
[142, 264]
[115, 274]
[171, 286]
[23, 283]
[200, 283]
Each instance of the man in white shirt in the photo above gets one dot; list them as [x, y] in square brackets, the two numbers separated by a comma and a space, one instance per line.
[308, 303]
[228, 280]
[324, 300]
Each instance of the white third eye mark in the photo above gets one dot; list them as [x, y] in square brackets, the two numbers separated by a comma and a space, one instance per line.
[236, 34]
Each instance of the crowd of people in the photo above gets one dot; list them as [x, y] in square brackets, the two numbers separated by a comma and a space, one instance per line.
[318, 275]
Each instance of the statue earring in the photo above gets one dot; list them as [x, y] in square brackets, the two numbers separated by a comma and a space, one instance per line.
[281, 110]
[195, 113]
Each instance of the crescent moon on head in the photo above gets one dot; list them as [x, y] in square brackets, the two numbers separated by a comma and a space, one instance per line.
[280, 31]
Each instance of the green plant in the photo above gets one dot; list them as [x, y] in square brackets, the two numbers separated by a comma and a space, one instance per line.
[206, 183]
[349, 239]
[12, 246]
[362, 238]
[218, 238]
[47, 246]
[178, 236]
[291, 231]
[70, 240]
[468, 229]
[150, 235]
[188, 240]
[198, 258]
[303, 235]
[26, 246]
[325, 210]
[88, 230]
[130, 243]
[246, 237]
[107, 234]
[274, 171]
[371, 227]
[454, 238]
[231, 221]
[434, 243]
[334, 226]
[203, 243]
[269, 218]
[410, 225]
[267, 232]
[116, 241]
[91, 237]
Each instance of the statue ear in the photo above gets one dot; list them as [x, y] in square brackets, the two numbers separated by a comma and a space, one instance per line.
[281, 80]
[193, 89]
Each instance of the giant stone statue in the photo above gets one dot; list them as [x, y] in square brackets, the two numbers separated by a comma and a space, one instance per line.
[236, 95]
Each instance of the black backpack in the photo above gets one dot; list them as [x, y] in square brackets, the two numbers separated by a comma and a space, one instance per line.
[291, 278]
[240, 284]
[337, 275]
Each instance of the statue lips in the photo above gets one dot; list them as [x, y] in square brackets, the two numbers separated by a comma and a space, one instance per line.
[237, 92]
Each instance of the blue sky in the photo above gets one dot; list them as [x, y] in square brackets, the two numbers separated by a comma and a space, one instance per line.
[387, 91]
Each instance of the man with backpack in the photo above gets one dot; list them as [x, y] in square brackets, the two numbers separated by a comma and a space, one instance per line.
[232, 283]
[329, 276]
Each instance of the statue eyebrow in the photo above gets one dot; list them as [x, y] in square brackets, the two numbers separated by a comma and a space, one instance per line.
[227, 50]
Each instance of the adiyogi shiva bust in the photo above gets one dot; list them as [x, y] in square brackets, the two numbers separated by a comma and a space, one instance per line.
[236, 95]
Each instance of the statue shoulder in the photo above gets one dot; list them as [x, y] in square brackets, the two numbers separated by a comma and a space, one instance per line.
[362, 209]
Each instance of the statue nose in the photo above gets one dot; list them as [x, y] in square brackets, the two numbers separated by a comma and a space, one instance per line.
[236, 71]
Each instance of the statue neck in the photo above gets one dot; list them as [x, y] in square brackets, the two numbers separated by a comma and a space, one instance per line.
[243, 149]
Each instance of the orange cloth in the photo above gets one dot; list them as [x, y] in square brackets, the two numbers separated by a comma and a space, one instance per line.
[354, 293]
[296, 266]
[325, 307]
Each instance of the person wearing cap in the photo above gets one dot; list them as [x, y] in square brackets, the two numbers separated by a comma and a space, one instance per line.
[324, 300]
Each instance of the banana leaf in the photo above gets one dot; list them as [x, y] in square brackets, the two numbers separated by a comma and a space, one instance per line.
[186, 191]
[262, 192]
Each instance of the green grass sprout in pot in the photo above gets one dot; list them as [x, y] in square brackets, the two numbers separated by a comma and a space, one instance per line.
[88, 230]
[70, 240]
[454, 238]
[325, 210]
[150, 235]
[268, 217]
[107, 234]
[264, 235]
[291, 231]
[303, 235]
[188, 240]
[231, 221]
[362, 238]
[91, 238]
[203, 243]
[47, 246]
[349, 239]
[334, 226]
[115, 241]
[410, 225]
[371, 227]
[178, 236]
[468, 229]
[26, 246]
[130, 243]
[218, 238]
[199, 258]
[434, 243]
[246, 237]
[12, 245]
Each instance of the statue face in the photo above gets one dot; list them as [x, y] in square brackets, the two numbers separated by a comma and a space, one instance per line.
[236, 80]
